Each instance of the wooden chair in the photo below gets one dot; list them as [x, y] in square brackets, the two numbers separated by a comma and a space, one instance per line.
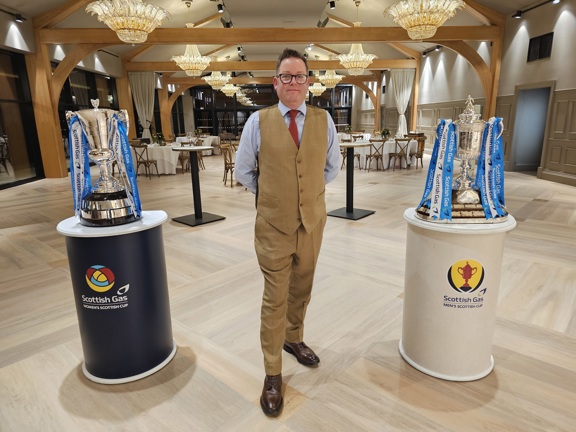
[228, 153]
[399, 153]
[142, 158]
[419, 153]
[375, 154]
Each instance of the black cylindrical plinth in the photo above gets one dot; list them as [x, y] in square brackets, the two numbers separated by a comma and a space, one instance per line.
[121, 294]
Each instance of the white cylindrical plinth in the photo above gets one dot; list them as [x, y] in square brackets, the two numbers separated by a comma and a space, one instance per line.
[451, 292]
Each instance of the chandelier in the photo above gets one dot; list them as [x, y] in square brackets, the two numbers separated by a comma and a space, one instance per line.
[356, 61]
[229, 90]
[421, 18]
[330, 79]
[132, 20]
[217, 80]
[192, 62]
[317, 89]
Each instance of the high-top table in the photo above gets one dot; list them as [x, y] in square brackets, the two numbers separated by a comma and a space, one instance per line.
[199, 217]
[349, 212]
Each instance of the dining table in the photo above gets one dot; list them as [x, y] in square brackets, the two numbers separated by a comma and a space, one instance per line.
[208, 141]
[385, 148]
[165, 158]
[199, 217]
[349, 212]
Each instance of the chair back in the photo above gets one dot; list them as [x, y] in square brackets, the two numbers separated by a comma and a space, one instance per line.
[229, 153]
[402, 146]
[144, 140]
[141, 152]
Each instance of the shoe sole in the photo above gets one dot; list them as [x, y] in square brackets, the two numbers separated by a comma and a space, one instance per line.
[291, 351]
[272, 413]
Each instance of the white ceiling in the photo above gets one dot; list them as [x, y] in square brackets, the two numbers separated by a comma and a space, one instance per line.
[261, 13]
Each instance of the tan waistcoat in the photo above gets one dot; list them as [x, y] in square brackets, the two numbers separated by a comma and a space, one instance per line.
[291, 180]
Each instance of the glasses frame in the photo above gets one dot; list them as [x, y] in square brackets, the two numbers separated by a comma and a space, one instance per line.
[282, 78]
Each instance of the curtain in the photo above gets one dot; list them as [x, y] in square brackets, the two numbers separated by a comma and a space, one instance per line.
[143, 86]
[402, 81]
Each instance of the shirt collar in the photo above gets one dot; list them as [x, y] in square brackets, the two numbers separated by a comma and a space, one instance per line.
[284, 109]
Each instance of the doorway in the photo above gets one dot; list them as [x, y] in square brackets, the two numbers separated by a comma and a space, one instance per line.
[530, 122]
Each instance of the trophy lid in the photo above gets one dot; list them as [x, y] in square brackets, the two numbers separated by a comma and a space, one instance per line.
[469, 115]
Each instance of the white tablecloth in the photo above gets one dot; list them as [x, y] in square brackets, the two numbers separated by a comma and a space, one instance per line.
[209, 141]
[167, 160]
[385, 149]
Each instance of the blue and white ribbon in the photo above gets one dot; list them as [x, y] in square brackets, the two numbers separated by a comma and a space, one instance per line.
[425, 201]
[441, 194]
[79, 163]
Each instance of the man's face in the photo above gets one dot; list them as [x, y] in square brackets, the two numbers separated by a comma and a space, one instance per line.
[292, 94]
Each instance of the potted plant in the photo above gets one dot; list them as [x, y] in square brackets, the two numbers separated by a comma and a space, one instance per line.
[385, 133]
[348, 129]
[158, 137]
[198, 132]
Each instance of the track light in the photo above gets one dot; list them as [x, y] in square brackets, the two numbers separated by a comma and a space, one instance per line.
[332, 4]
[17, 17]
[438, 47]
[309, 47]
[424, 54]
[518, 14]
[239, 48]
[220, 8]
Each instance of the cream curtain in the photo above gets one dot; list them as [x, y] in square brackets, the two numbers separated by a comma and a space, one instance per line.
[402, 81]
[143, 85]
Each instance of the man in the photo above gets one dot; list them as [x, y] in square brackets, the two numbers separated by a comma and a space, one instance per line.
[287, 154]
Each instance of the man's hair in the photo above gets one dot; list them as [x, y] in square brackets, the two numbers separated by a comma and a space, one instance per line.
[287, 53]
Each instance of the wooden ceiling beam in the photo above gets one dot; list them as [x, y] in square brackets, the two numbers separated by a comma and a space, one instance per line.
[56, 15]
[270, 65]
[232, 36]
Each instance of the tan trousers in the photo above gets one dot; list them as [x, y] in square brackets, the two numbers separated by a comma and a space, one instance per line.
[288, 262]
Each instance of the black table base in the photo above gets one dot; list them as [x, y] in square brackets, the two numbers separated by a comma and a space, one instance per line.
[355, 214]
[349, 212]
[192, 220]
[199, 217]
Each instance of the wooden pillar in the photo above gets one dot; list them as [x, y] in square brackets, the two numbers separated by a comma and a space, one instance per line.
[165, 111]
[125, 102]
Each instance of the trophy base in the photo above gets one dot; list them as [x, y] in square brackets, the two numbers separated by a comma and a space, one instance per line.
[461, 213]
[106, 209]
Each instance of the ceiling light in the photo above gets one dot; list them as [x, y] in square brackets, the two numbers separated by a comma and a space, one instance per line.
[132, 20]
[220, 8]
[555, 1]
[332, 4]
[192, 62]
[229, 89]
[316, 89]
[217, 80]
[518, 14]
[330, 79]
[422, 18]
[19, 18]
[438, 47]
[356, 61]
[309, 47]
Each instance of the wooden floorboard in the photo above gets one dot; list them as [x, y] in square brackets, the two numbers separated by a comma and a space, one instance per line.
[354, 320]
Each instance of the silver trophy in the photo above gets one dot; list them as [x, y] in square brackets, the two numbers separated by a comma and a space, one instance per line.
[107, 204]
[469, 130]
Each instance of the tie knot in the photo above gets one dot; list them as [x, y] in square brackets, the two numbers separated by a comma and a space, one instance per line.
[293, 114]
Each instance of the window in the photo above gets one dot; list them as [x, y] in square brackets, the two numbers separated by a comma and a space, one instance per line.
[540, 47]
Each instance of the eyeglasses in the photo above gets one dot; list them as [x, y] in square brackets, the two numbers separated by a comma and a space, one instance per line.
[287, 78]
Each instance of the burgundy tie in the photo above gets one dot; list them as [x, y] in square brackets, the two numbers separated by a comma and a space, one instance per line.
[293, 128]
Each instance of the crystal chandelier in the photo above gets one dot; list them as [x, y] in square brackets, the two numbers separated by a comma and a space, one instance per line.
[356, 61]
[330, 79]
[132, 20]
[192, 62]
[316, 89]
[229, 90]
[421, 18]
[217, 80]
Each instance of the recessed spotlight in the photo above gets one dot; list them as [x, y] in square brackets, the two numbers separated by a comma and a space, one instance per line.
[518, 14]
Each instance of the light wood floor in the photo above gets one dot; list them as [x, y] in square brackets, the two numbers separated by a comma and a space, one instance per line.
[354, 320]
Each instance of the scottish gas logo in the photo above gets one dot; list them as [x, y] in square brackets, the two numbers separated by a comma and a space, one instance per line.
[100, 278]
[466, 277]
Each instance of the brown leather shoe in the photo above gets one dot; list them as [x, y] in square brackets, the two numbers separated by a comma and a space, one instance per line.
[271, 400]
[302, 352]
